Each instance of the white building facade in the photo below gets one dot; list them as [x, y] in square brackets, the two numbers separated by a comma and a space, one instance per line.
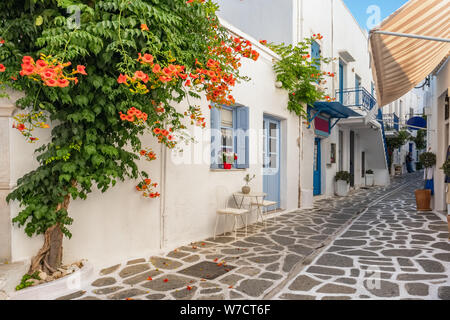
[291, 160]
[120, 223]
[355, 144]
[436, 103]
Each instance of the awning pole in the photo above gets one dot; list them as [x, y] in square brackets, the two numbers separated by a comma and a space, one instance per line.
[407, 35]
[419, 128]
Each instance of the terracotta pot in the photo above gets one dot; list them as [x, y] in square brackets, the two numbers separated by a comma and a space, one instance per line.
[246, 189]
[423, 200]
[227, 166]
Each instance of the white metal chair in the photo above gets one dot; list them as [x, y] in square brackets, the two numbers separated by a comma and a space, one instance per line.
[260, 207]
[223, 209]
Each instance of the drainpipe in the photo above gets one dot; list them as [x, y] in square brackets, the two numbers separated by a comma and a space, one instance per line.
[300, 157]
[162, 208]
[300, 142]
[333, 86]
[301, 21]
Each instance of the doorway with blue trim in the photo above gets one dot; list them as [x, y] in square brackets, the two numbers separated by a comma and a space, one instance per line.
[272, 163]
[317, 167]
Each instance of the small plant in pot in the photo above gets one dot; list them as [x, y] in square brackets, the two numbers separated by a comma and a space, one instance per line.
[370, 177]
[228, 158]
[342, 183]
[446, 168]
[423, 196]
[246, 189]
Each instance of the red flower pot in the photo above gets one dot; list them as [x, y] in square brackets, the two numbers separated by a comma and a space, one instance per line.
[227, 166]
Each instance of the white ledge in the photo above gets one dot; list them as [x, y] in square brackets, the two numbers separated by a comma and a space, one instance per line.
[61, 287]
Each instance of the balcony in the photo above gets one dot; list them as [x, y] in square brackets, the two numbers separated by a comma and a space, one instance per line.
[391, 122]
[395, 123]
[356, 97]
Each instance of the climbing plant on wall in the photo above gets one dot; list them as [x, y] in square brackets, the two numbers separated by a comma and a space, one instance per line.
[101, 74]
[396, 142]
[300, 74]
[420, 140]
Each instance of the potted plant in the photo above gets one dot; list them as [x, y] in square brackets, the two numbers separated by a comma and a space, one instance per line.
[228, 158]
[246, 189]
[342, 183]
[370, 177]
[423, 196]
[446, 168]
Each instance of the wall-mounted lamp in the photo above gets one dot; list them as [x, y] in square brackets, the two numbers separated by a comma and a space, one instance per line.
[279, 84]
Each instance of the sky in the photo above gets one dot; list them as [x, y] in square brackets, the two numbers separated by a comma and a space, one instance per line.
[378, 10]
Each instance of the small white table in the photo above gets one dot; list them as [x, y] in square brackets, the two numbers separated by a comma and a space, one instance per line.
[256, 195]
[259, 196]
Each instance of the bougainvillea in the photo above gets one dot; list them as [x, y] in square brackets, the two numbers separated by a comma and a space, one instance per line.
[300, 74]
[105, 77]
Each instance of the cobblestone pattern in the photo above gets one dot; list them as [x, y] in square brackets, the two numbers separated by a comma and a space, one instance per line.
[390, 252]
[251, 267]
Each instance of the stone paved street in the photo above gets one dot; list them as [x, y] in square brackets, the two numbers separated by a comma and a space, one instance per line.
[370, 245]
[390, 252]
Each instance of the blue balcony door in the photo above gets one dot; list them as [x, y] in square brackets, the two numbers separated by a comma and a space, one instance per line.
[357, 88]
[272, 164]
[352, 158]
[317, 167]
[341, 82]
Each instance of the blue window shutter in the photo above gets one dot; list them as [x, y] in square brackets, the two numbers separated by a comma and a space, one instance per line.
[315, 53]
[215, 137]
[242, 137]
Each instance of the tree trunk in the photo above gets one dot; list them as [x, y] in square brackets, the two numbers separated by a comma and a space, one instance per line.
[49, 257]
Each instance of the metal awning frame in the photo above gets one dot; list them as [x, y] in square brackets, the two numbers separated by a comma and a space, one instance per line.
[338, 115]
[407, 35]
[320, 110]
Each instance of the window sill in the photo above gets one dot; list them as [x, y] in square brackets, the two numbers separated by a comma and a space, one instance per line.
[227, 170]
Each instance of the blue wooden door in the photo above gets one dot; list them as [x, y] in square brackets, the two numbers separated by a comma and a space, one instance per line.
[272, 165]
[341, 83]
[317, 167]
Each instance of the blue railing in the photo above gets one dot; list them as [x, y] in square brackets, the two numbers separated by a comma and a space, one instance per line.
[396, 122]
[391, 122]
[380, 120]
[356, 97]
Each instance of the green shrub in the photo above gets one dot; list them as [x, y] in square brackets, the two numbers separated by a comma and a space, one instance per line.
[344, 176]
[25, 283]
[446, 168]
[419, 166]
[427, 159]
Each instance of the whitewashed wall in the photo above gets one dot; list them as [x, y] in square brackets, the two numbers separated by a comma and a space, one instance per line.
[270, 20]
[341, 32]
[120, 224]
[440, 87]
[116, 223]
[194, 203]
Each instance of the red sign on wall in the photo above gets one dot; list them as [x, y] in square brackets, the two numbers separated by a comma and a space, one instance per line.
[322, 126]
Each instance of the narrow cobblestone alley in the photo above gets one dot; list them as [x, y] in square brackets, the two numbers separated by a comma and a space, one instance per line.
[370, 245]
